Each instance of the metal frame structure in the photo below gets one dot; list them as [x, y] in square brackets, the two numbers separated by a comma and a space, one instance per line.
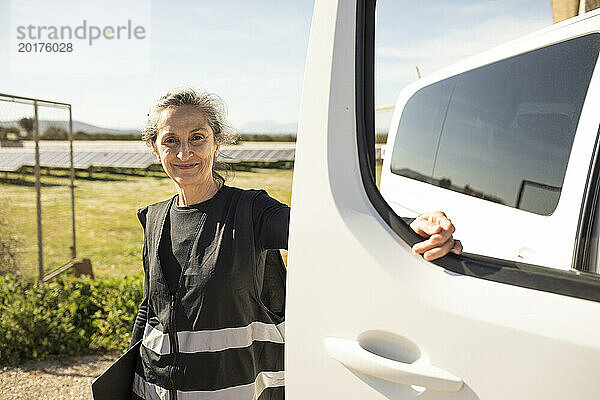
[47, 103]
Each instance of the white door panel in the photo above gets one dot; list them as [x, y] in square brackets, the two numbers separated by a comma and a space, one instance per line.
[503, 341]
[353, 280]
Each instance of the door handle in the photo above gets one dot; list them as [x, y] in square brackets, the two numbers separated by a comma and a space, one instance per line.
[353, 356]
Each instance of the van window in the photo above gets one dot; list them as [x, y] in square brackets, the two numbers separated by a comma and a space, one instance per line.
[419, 131]
[510, 126]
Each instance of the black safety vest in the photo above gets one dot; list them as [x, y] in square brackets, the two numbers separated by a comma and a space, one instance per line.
[223, 339]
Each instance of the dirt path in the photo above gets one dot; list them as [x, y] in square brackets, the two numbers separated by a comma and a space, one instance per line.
[53, 380]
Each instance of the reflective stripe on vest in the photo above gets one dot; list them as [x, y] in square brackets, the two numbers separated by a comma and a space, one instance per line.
[213, 340]
[253, 390]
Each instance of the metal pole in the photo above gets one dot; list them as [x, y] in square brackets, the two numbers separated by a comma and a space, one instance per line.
[74, 248]
[36, 136]
[12, 96]
[418, 72]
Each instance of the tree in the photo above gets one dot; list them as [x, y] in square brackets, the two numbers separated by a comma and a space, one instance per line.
[55, 133]
[80, 135]
[27, 125]
[446, 183]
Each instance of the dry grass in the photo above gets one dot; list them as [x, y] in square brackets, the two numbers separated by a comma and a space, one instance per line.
[108, 231]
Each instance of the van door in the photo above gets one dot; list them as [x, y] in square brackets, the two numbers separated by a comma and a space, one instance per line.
[366, 318]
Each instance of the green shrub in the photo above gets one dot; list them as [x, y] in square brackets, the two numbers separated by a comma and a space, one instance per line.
[112, 322]
[65, 317]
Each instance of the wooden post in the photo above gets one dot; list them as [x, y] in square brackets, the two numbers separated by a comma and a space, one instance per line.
[565, 9]
[77, 265]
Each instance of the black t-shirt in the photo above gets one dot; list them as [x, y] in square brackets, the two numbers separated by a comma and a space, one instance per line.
[271, 221]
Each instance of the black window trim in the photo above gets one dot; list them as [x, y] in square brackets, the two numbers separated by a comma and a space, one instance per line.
[572, 283]
[581, 254]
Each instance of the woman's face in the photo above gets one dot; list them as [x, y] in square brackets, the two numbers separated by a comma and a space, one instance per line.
[185, 145]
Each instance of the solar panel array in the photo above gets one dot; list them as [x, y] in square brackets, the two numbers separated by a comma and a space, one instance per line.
[263, 155]
[12, 160]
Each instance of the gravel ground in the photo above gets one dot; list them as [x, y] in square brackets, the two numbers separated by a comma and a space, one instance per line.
[69, 379]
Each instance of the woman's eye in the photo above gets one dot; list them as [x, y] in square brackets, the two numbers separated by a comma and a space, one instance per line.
[198, 137]
[169, 140]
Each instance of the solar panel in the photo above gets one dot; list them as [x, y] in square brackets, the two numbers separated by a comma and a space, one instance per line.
[131, 156]
[257, 155]
[286, 155]
[243, 155]
[269, 155]
[229, 155]
[107, 159]
[121, 160]
[141, 160]
[13, 161]
[81, 159]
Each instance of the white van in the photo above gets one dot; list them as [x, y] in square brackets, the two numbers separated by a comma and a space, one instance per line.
[368, 319]
[503, 143]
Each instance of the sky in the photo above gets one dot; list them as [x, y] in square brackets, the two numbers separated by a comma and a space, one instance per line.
[251, 53]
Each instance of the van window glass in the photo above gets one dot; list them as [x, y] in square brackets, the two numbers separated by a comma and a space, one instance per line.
[510, 126]
[419, 130]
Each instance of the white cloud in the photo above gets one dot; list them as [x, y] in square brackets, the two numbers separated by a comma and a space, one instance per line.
[204, 11]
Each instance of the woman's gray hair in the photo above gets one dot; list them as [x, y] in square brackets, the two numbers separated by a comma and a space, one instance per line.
[212, 107]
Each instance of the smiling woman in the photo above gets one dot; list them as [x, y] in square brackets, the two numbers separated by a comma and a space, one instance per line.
[212, 314]
[211, 323]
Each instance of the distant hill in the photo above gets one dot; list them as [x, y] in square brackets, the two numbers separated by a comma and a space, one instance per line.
[77, 126]
[249, 128]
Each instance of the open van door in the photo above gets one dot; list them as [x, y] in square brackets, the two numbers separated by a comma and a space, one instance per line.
[366, 318]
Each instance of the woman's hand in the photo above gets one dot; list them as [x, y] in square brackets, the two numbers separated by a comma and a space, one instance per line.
[438, 230]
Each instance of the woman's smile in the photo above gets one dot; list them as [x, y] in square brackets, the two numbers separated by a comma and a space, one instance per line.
[186, 166]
